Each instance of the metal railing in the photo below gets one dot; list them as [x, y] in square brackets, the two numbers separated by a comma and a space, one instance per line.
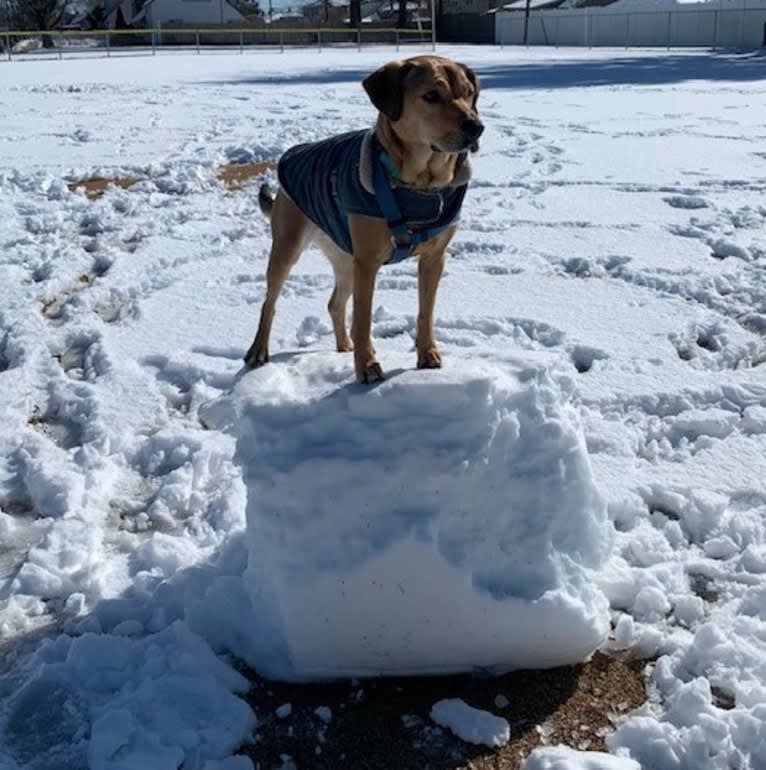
[106, 42]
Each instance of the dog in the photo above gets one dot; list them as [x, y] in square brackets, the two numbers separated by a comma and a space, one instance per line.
[371, 197]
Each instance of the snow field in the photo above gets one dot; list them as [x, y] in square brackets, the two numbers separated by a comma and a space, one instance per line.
[615, 228]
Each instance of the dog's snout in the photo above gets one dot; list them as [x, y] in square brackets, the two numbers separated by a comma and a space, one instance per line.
[472, 128]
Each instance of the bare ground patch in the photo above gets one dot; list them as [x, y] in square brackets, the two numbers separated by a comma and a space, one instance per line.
[233, 175]
[384, 724]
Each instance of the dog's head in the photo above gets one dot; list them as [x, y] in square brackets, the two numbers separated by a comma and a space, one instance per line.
[430, 100]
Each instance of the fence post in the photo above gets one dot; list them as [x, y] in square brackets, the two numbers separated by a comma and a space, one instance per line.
[58, 46]
[359, 38]
[196, 37]
[154, 42]
[319, 39]
[627, 31]
[556, 31]
[108, 51]
[670, 23]
[8, 44]
[397, 38]
[281, 41]
[587, 27]
[241, 42]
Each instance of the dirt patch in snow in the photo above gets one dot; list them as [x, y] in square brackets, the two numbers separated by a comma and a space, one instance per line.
[233, 175]
[98, 185]
[238, 175]
[384, 723]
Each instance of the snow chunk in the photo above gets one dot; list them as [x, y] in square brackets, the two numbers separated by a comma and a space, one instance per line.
[564, 758]
[284, 710]
[694, 423]
[470, 724]
[324, 713]
[440, 522]
[755, 419]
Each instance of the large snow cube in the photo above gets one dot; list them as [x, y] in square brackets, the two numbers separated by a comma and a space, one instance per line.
[443, 521]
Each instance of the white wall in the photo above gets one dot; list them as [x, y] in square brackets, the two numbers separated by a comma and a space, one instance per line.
[726, 23]
[191, 12]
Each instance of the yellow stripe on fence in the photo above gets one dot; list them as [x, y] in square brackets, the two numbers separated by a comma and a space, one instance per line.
[212, 31]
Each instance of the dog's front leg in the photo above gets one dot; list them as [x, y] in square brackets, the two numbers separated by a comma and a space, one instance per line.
[371, 242]
[367, 368]
[430, 268]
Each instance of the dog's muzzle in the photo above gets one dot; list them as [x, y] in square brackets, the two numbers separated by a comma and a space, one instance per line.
[472, 129]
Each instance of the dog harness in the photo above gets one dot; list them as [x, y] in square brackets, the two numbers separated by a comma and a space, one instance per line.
[351, 174]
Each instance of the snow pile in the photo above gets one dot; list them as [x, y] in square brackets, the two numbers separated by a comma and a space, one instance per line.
[444, 521]
[563, 758]
[112, 702]
[470, 724]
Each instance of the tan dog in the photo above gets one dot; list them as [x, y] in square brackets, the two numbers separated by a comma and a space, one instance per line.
[427, 123]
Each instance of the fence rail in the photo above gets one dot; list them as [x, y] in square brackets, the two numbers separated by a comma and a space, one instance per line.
[106, 42]
[742, 27]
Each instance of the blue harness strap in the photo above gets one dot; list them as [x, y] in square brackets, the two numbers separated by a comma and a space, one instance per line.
[404, 239]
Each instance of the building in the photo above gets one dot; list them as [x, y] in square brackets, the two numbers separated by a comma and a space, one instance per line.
[121, 14]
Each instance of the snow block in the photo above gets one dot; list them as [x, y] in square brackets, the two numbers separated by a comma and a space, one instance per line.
[442, 521]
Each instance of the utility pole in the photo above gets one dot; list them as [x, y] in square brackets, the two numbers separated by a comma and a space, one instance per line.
[433, 25]
[526, 22]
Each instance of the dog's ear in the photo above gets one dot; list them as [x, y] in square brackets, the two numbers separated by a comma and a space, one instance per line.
[385, 87]
[474, 81]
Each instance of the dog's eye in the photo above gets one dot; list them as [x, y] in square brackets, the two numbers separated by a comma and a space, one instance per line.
[432, 97]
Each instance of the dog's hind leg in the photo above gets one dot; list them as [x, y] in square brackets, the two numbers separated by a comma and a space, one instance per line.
[289, 231]
[343, 267]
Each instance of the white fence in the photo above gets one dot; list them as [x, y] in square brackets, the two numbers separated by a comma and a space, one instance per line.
[742, 26]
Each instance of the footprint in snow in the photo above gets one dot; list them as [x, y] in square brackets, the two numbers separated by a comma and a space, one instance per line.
[82, 357]
[63, 432]
[710, 346]
[6, 359]
[583, 357]
[686, 202]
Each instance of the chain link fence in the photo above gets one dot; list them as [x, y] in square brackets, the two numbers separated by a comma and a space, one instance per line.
[158, 40]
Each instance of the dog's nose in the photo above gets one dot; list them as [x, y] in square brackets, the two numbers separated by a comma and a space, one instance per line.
[472, 128]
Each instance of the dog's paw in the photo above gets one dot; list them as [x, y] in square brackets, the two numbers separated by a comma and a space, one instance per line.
[369, 373]
[345, 346]
[256, 356]
[429, 359]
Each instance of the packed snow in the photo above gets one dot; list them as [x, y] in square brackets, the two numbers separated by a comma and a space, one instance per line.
[474, 548]
[613, 245]
[471, 724]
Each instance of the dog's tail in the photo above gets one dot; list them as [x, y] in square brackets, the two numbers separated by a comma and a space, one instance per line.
[265, 200]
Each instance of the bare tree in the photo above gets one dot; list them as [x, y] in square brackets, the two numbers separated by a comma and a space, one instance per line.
[40, 15]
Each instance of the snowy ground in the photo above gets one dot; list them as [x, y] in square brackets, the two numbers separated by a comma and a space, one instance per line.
[616, 223]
